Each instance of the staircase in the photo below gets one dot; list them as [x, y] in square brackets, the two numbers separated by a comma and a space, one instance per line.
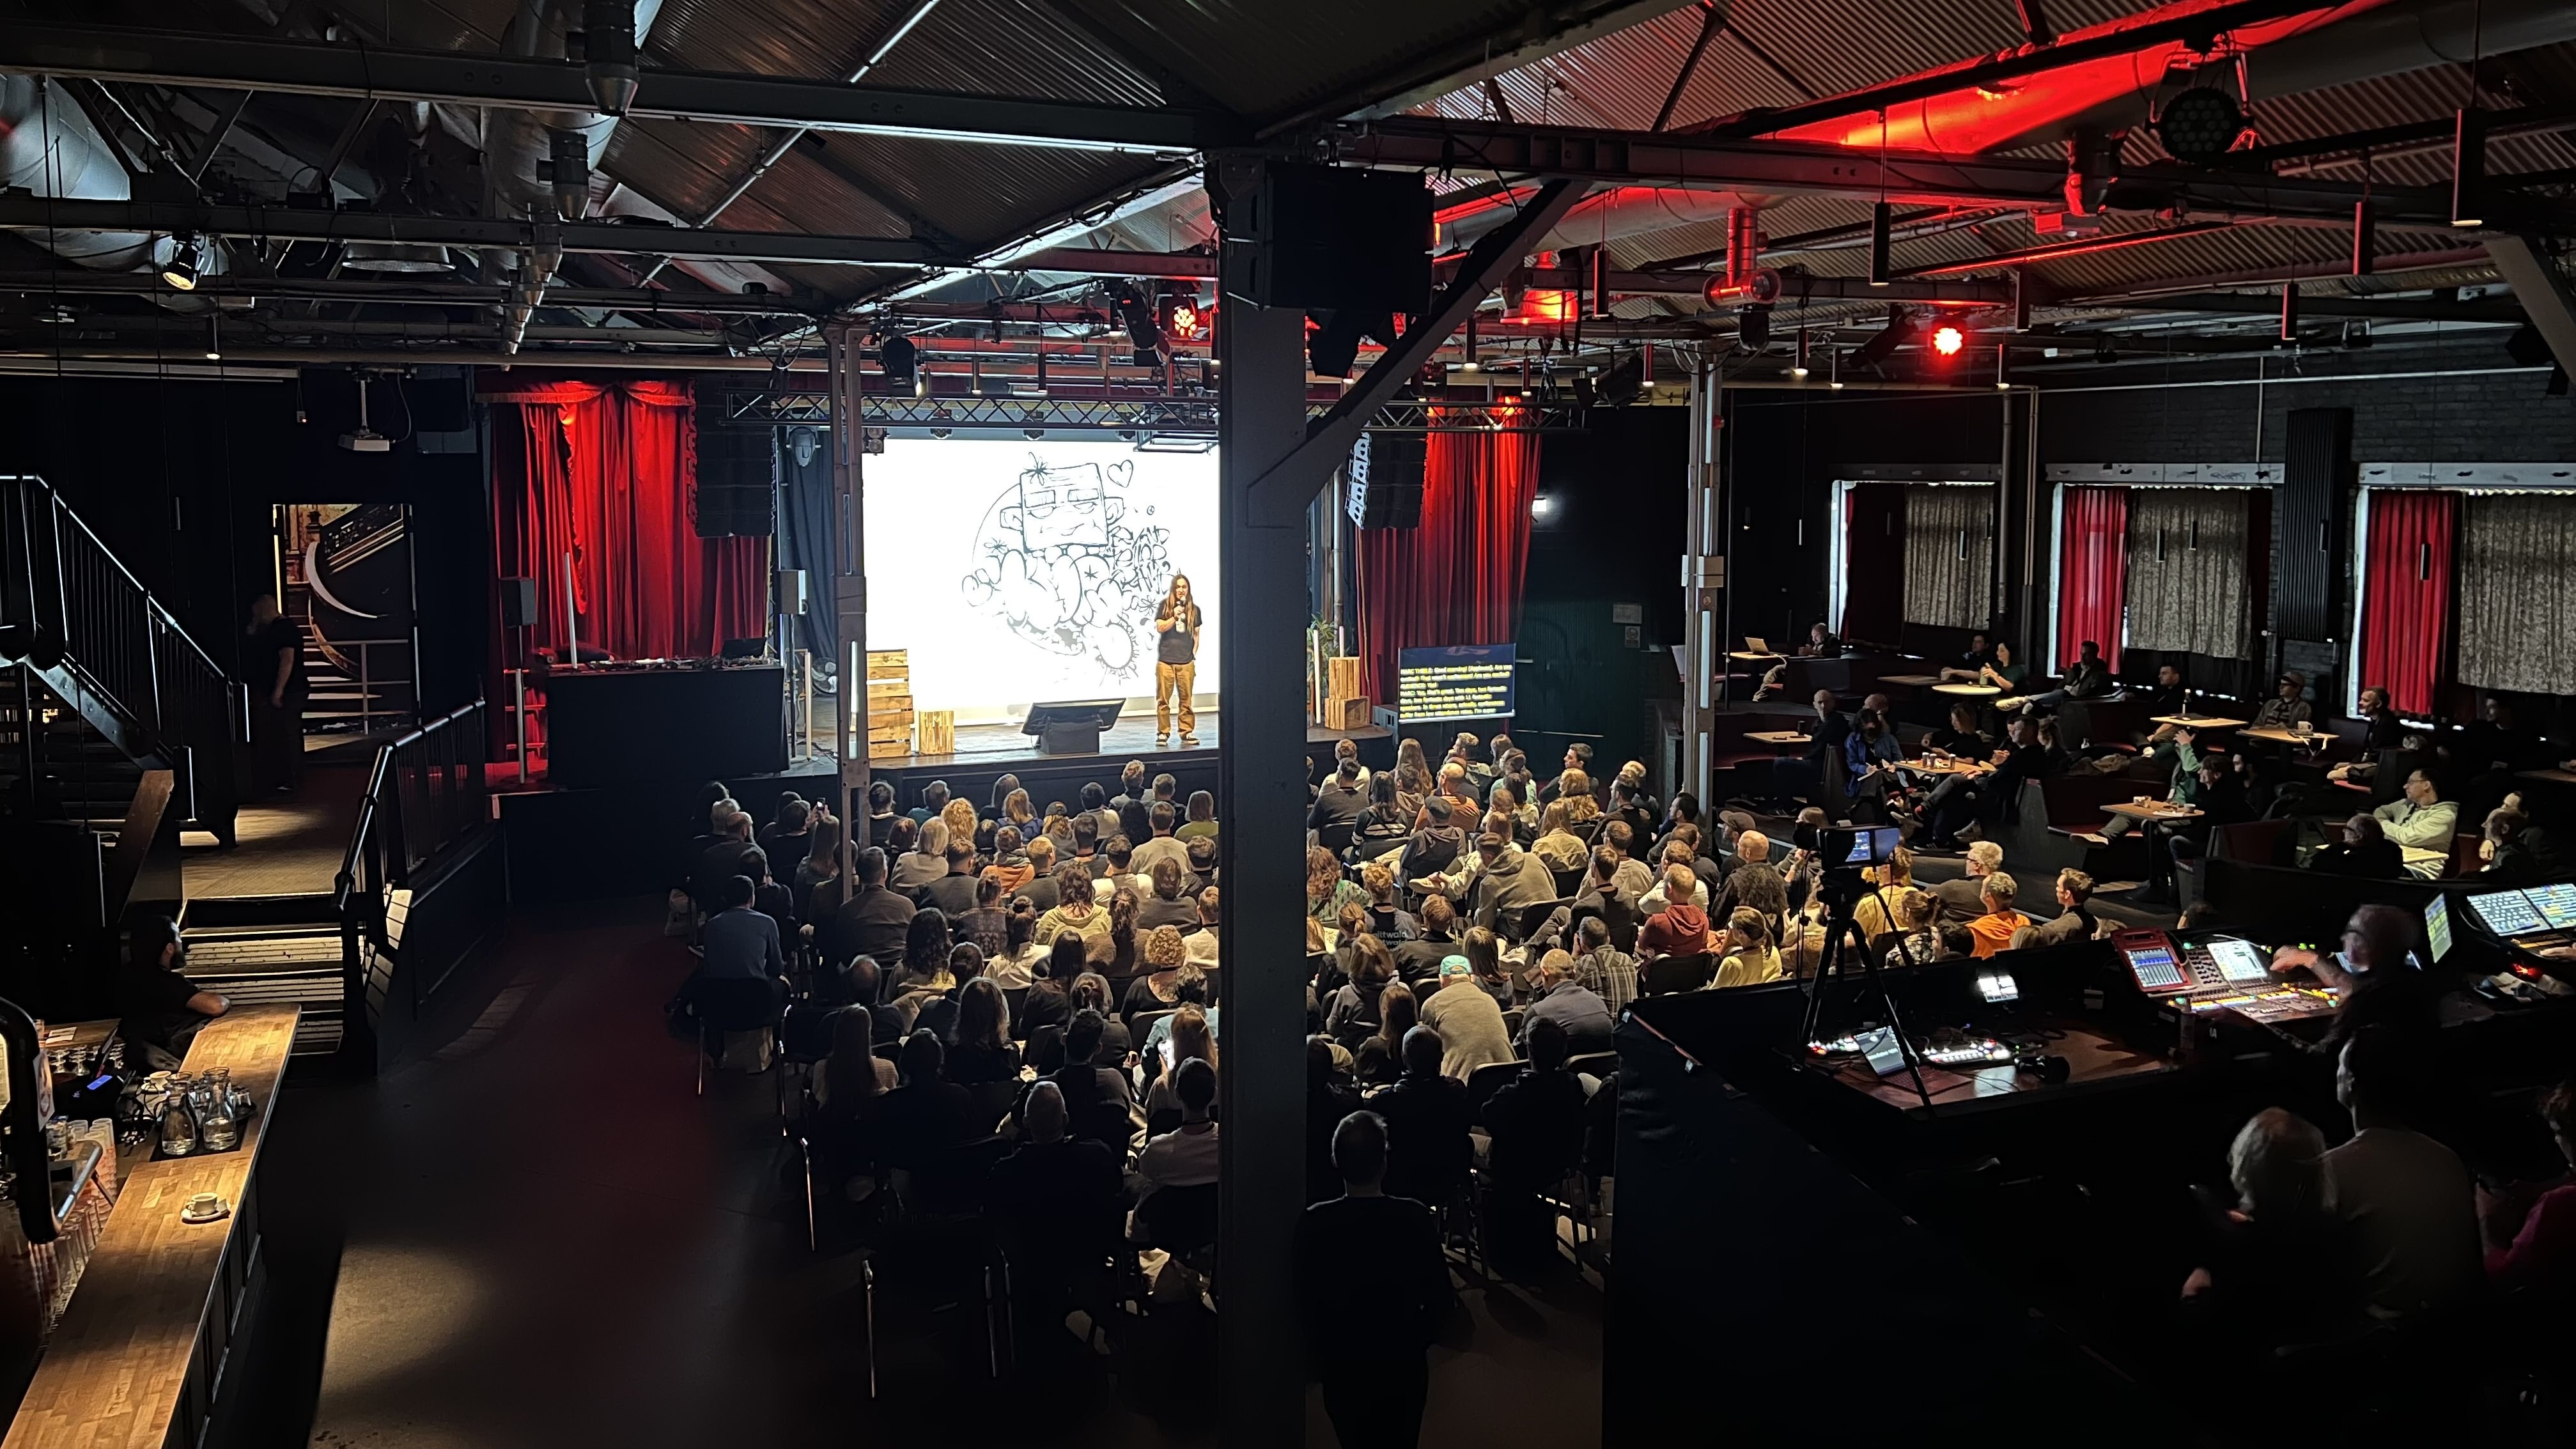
[80, 776]
[256, 949]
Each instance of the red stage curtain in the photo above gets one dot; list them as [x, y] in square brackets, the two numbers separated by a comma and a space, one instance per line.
[1455, 579]
[2093, 574]
[603, 471]
[2406, 593]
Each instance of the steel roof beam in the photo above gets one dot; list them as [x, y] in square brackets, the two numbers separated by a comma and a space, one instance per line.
[1643, 158]
[317, 68]
[2526, 263]
[25, 213]
[409, 293]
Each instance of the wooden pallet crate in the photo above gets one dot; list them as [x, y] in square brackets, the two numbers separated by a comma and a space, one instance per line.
[937, 731]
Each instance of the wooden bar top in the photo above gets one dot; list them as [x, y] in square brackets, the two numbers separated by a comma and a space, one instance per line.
[113, 1374]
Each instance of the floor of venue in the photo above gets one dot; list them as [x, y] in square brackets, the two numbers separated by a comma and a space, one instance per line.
[534, 1232]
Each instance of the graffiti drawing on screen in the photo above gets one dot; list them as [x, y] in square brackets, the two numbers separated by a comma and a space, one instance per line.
[1063, 563]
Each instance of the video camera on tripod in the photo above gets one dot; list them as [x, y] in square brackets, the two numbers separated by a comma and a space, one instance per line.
[1844, 850]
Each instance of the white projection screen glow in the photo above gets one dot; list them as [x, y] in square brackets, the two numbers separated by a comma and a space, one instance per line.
[1022, 570]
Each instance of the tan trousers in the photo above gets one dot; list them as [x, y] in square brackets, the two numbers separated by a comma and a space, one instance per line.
[1174, 681]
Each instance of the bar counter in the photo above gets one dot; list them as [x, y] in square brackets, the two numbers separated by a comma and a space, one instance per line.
[138, 1358]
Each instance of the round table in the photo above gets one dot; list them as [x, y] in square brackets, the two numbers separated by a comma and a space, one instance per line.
[1968, 691]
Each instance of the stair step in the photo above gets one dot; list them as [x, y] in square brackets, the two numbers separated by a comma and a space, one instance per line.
[260, 954]
[275, 913]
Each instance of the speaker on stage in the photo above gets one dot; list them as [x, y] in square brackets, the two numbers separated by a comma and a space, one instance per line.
[518, 603]
[791, 593]
[1385, 479]
[736, 492]
[1334, 237]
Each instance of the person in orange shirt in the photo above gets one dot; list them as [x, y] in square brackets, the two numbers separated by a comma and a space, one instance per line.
[1993, 931]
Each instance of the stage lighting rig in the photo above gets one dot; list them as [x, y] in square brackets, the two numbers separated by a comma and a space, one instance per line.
[185, 260]
[1181, 317]
[1947, 340]
[2200, 125]
[1143, 333]
[1899, 330]
[897, 355]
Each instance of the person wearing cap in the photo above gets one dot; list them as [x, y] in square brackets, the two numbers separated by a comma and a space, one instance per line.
[2285, 710]
[1468, 1019]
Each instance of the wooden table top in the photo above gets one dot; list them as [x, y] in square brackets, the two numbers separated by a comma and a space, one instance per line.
[1968, 691]
[2550, 776]
[2198, 721]
[1749, 654]
[1950, 766]
[119, 1359]
[2280, 736]
[1778, 737]
[2092, 1060]
[2153, 811]
[1917, 680]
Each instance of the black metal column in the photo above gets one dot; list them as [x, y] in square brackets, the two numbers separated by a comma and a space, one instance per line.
[1259, 622]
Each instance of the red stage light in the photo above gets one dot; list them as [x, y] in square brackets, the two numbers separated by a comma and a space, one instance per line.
[1948, 340]
[1547, 304]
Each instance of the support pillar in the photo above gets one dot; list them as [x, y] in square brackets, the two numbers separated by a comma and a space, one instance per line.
[849, 586]
[1704, 560]
[1259, 622]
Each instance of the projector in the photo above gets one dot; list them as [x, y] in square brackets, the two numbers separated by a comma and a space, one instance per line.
[366, 440]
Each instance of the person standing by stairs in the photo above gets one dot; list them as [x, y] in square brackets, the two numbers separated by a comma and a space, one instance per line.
[273, 663]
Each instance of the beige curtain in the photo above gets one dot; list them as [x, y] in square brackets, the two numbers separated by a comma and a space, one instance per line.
[2189, 591]
[2517, 608]
[1949, 556]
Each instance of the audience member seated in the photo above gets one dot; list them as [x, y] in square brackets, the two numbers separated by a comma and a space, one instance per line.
[843, 1082]
[1168, 906]
[1372, 1289]
[1329, 1098]
[874, 920]
[1964, 899]
[984, 1051]
[1496, 884]
[1157, 988]
[1607, 971]
[1890, 886]
[1050, 998]
[1681, 929]
[1746, 953]
[1559, 848]
[1338, 807]
[2287, 709]
[1201, 823]
[1484, 952]
[2405, 1197]
[2086, 678]
[1922, 941]
[2420, 819]
[1535, 1122]
[1163, 844]
[1055, 1204]
[1677, 853]
[2374, 977]
[741, 944]
[1377, 1060]
[2363, 852]
[1206, 945]
[1010, 863]
[1075, 913]
[1993, 931]
[1754, 885]
[2074, 920]
[2532, 1241]
[1191, 1041]
[926, 1114]
[1577, 1010]
[2279, 1268]
[1101, 1099]
[1968, 667]
[1352, 1013]
[1467, 1019]
[1186, 1156]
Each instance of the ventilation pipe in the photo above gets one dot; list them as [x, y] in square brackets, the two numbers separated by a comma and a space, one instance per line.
[49, 148]
[540, 162]
[1620, 211]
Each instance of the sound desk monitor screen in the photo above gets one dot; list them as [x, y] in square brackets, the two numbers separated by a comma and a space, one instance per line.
[2556, 904]
[2507, 913]
[1461, 681]
[1016, 570]
[2240, 961]
[2437, 927]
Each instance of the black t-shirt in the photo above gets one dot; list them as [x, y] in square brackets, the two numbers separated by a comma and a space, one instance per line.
[146, 988]
[1180, 643]
[1373, 1261]
[266, 641]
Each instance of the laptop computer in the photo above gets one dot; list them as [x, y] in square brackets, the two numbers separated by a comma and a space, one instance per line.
[1756, 644]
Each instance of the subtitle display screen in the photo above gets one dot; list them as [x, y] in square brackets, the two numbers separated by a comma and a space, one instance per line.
[1461, 681]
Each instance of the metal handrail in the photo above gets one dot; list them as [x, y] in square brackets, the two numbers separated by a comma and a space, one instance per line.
[462, 725]
[151, 605]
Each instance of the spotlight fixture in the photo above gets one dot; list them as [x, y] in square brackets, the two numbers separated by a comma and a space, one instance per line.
[215, 337]
[1180, 316]
[897, 355]
[181, 270]
[1798, 369]
[1948, 340]
[1833, 368]
[1143, 333]
[2200, 125]
[1753, 328]
[2003, 367]
[1882, 242]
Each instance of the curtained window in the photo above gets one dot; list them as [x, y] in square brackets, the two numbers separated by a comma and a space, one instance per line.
[2093, 574]
[2187, 590]
[2406, 593]
[2517, 610]
[603, 472]
[1949, 556]
[1456, 577]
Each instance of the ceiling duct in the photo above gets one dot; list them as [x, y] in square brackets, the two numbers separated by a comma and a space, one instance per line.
[396, 259]
[49, 148]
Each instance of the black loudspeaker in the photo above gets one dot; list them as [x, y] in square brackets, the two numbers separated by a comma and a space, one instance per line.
[439, 404]
[518, 603]
[736, 494]
[790, 593]
[1334, 237]
[1386, 480]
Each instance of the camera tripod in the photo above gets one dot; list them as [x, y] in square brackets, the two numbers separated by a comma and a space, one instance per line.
[1842, 888]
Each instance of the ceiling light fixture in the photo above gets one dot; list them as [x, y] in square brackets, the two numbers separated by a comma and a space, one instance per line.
[181, 270]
